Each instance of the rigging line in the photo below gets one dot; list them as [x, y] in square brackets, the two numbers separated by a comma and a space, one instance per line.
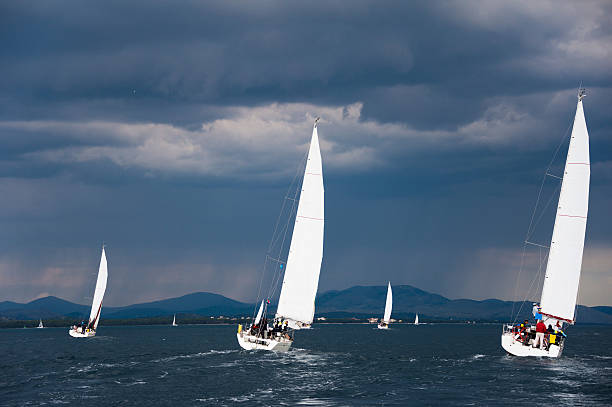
[280, 250]
[261, 277]
[536, 277]
[554, 176]
[275, 235]
[552, 196]
[552, 160]
[532, 226]
[276, 260]
[537, 244]
[518, 278]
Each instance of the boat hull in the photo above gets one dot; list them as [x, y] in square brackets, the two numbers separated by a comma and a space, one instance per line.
[516, 348]
[75, 334]
[383, 326]
[250, 342]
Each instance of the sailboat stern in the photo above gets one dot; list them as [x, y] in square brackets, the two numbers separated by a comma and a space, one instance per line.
[252, 342]
[78, 333]
[516, 345]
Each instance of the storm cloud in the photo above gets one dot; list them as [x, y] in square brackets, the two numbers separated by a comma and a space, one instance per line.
[171, 132]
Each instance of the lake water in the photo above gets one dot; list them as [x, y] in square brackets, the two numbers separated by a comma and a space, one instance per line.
[334, 365]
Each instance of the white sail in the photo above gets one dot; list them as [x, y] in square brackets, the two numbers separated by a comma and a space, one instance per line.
[416, 319]
[40, 324]
[174, 320]
[96, 305]
[388, 305]
[560, 289]
[297, 299]
[259, 313]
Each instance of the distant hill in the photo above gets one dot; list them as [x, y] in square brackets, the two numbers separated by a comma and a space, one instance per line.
[408, 300]
[201, 303]
[358, 301]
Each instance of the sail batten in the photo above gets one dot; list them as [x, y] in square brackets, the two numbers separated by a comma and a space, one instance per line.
[560, 290]
[301, 279]
[96, 305]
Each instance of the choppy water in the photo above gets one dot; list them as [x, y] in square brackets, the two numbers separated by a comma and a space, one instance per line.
[329, 365]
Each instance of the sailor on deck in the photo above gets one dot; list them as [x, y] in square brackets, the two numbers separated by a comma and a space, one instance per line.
[540, 332]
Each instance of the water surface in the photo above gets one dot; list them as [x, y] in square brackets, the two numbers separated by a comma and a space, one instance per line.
[336, 365]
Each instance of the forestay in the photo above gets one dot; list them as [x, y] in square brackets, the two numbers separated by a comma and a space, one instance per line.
[96, 306]
[388, 305]
[301, 279]
[565, 258]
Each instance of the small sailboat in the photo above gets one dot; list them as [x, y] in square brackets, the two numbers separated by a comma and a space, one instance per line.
[296, 305]
[560, 290]
[89, 329]
[384, 324]
[416, 319]
[40, 325]
[174, 321]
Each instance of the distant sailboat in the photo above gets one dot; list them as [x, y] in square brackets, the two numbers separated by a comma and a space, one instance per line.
[559, 293]
[416, 319]
[174, 321]
[40, 324]
[384, 324]
[96, 305]
[296, 304]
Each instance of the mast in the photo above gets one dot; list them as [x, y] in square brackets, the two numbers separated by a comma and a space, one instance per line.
[560, 290]
[96, 305]
[297, 298]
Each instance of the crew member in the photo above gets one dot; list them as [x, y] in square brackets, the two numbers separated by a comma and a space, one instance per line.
[540, 331]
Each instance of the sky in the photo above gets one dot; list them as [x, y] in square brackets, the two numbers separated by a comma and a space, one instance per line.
[170, 131]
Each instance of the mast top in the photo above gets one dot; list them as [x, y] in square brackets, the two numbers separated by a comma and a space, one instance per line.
[317, 121]
[581, 93]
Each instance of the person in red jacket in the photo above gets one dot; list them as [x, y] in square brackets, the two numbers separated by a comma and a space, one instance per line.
[540, 332]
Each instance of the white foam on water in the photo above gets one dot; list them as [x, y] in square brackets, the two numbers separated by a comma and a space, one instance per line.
[137, 382]
[194, 355]
[313, 402]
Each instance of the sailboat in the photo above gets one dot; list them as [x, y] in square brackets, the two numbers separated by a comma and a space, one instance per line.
[40, 325]
[174, 321]
[296, 305]
[384, 324]
[416, 319]
[560, 289]
[96, 305]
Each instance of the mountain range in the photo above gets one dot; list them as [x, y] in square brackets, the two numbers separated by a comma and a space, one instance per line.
[358, 301]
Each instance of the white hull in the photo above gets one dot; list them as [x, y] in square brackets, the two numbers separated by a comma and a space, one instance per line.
[250, 342]
[516, 348]
[75, 334]
[383, 326]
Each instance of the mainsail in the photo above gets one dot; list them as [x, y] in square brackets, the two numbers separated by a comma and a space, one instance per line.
[297, 298]
[388, 305]
[560, 289]
[96, 306]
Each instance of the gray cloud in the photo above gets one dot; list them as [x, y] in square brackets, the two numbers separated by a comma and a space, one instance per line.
[171, 132]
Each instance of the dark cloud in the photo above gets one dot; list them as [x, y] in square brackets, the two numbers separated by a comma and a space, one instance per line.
[171, 132]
